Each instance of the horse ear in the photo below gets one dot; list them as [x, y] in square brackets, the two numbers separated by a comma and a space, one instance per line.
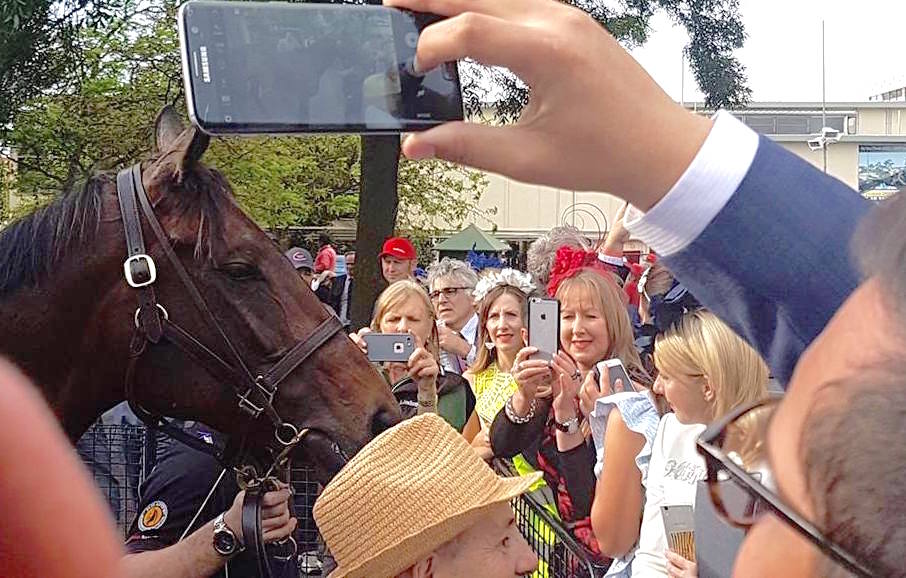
[167, 128]
[192, 154]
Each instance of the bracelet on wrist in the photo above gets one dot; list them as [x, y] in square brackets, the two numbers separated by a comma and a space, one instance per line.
[513, 417]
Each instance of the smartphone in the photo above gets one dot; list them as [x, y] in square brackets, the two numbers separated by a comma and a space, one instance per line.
[293, 68]
[616, 370]
[544, 327]
[389, 346]
[679, 524]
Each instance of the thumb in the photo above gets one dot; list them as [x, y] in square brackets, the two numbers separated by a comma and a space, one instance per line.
[490, 148]
[557, 386]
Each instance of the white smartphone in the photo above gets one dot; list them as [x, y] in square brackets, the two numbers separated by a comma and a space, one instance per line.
[615, 370]
[544, 327]
[297, 68]
[389, 347]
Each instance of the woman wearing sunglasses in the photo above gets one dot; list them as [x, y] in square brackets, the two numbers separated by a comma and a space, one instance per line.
[705, 372]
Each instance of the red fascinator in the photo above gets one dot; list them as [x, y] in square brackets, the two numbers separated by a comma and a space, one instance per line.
[570, 261]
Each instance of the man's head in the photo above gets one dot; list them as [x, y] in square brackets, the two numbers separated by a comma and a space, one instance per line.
[418, 502]
[398, 259]
[836, 442]
[350, 264]
[323, 239]
[450, 284]
[303, 262]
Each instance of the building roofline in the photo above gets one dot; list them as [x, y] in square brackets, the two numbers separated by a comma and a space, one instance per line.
[844, 138]
[810, 105]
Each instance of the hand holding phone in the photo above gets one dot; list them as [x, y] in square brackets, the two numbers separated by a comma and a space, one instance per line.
[610, 372]
[295, 68]
[544, 327]
[389, 347]
[679, 525]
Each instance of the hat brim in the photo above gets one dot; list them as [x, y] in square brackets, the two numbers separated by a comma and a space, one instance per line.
[398, 557]
[402, 257]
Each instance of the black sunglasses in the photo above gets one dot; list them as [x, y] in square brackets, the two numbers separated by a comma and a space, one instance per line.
[733, 448]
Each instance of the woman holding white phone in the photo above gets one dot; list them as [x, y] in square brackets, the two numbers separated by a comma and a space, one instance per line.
[594, 326]
[404, 307]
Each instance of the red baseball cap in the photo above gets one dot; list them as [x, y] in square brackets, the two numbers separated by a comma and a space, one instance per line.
[399, 247]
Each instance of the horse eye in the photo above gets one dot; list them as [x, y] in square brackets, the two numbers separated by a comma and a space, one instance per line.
[241, 271]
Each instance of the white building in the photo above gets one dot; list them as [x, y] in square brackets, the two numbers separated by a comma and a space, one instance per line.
[870, 156]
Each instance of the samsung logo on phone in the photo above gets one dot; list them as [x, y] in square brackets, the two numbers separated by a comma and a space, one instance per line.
[205, 65]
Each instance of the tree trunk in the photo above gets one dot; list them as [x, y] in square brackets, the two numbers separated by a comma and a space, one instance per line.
[378, 204]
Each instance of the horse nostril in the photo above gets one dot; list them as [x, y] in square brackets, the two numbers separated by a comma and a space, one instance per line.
[383, 420]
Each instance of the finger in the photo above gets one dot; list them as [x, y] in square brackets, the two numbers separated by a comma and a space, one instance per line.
[280, 533]
[530, 374]
[499, 8]
[534, 364]
[273, 522]
[276, 498]
[523, 354]
[557, 386]
[275, 511]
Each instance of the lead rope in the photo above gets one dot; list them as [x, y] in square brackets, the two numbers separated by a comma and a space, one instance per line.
[203, 505]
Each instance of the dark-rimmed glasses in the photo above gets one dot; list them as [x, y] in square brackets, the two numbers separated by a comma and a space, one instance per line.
[447, 292]
[741, 483]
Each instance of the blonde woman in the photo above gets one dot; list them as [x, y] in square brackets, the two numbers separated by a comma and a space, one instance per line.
[501, 299]
[404, 307]
[594, 326]
[705, 371]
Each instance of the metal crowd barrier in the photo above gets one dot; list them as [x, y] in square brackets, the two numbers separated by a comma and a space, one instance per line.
[559, 554]
[115, 454]
[120, 456]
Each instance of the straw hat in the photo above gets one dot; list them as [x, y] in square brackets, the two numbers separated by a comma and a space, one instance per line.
[412, 489]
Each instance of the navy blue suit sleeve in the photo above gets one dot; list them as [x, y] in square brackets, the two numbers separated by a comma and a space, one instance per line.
[774, 263]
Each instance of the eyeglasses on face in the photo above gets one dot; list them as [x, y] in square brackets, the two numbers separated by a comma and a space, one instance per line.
[447, 292]
[742, 485]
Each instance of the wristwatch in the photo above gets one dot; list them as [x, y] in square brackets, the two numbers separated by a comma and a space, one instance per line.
[571, 426]
[225, 541]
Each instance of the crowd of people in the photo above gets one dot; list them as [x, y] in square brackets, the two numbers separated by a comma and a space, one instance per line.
[609, 454]
[702, 330]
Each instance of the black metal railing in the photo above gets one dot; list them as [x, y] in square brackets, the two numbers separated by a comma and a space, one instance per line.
[559, 554]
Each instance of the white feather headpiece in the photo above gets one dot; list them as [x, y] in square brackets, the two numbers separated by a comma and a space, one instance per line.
[511, 277]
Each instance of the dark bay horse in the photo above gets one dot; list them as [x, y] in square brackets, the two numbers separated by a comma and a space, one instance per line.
[67, 314]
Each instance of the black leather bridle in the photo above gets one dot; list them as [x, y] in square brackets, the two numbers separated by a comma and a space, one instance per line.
[254, 393]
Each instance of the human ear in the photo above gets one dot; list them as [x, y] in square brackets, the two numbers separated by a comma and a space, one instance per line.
[424, 568]
[708, 391]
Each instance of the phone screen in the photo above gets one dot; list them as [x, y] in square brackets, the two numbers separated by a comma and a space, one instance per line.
[271, 67]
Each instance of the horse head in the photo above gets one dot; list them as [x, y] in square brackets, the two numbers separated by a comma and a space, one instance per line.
[251, 290]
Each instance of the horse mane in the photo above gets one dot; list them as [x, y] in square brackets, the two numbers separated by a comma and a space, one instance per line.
[32, 246]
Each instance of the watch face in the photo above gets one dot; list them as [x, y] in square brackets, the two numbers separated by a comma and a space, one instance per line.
[224, 542]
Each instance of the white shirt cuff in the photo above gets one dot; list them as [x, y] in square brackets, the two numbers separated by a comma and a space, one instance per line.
[701, 193]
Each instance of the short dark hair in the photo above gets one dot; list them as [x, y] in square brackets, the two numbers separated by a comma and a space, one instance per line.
[855, 458]
[879, 247]
[324, 239]
[852, 442]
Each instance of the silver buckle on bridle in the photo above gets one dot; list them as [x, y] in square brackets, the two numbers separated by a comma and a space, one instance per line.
[149, 263]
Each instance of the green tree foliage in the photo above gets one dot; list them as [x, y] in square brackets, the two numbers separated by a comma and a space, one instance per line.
[98, 115]
[715, 32]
